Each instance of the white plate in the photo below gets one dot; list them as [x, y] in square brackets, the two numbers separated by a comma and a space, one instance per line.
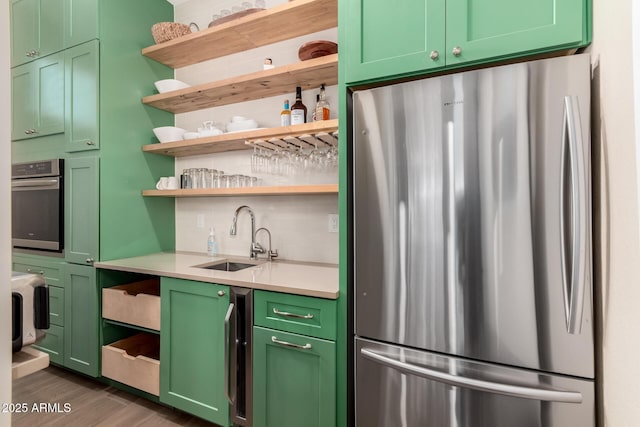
[245, 130]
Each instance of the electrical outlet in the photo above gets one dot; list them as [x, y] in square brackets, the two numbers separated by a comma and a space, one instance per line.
[200, 221]
[333, 223]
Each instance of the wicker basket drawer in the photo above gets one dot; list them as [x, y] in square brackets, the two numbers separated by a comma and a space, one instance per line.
[135, 303]
[134, 361]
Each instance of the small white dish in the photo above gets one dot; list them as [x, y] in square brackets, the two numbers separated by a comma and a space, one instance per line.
[236, 119]
[190, 135]
[242, 125]
[168, 85]
[244, 130]
[209, 132]
[168, 133]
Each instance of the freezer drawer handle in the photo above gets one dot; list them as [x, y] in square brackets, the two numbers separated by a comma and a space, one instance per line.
[475, 384]
[289, 344]
[299, 316]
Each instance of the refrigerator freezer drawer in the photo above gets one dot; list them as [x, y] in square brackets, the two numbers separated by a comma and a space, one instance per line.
[405, 387]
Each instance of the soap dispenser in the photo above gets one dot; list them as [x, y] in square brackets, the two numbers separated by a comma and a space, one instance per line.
[212, 244]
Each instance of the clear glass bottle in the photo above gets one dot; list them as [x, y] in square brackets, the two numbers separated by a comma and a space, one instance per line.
[314, 116]
[323, 109]
[298, 110]
[285, 114]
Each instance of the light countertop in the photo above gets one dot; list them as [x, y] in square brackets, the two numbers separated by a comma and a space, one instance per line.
[292, 277]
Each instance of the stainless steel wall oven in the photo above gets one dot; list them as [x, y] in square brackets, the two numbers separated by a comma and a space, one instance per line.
[37, 205]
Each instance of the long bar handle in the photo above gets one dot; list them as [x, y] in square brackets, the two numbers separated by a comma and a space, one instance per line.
[227, 320]
[34, 182]
[475, 384]
[275, 340]
[574, 295]
[298, 316]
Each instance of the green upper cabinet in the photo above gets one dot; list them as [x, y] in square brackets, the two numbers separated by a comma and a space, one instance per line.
[37, 28]
[42, 27]
[388, 38]
[499, 28]
[81, 209]
[81, 21]
[81, 77]
[37, 98]
[395, 39]
[192, 348]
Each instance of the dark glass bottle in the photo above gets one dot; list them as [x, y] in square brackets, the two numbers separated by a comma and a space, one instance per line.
[298, 110]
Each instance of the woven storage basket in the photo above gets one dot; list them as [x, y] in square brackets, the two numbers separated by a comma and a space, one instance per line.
[165, 31]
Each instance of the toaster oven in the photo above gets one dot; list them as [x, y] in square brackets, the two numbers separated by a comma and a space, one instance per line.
[30, 309]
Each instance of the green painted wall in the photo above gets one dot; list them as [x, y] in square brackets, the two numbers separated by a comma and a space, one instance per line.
[130, 224]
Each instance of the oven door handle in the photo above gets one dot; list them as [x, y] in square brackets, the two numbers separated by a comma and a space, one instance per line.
[35, 182]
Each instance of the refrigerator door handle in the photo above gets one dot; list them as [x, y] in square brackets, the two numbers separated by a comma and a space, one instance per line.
[227, 321]
[475, 384]
[574, 288]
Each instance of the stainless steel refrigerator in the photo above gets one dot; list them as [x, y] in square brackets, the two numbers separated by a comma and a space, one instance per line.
[472, 249]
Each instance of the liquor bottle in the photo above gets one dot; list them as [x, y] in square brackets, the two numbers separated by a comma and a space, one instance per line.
[285, 114]
[323, 109]
[298, 110]
[314, 117]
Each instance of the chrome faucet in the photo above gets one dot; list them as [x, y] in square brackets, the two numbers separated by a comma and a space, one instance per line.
[256, 248]
[270, 253]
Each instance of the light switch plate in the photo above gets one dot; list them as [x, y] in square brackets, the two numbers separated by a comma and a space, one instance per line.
[333, 223]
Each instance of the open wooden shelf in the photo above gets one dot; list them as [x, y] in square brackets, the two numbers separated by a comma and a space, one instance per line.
[282, 22]
[246, 191]
[237, 141]
[261, 84]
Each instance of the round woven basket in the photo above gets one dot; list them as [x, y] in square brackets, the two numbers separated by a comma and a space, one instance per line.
[165, 31]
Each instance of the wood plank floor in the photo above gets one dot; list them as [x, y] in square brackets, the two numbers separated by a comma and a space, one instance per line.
[91, 404]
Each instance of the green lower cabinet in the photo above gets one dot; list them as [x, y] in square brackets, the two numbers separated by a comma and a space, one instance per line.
[294, 380]
[56, 305]
[81, 320]
[192, 348]
[53, 344]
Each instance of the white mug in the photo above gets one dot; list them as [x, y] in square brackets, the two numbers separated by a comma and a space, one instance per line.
[173, 183]
[168, 183]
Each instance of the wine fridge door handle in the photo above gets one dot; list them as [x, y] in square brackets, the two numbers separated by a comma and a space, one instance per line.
[472, 383]
[574, 286]
[227, 321]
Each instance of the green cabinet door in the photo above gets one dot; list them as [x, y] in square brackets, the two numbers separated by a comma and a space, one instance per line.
[23, 95]
[81, 320]
[484, 29]
[81, 21]
[38, 98]
[192, 348]
[294, 380]
[36, 29]
[81, 198]
[53, 344]
[386, 38]
[81, 100]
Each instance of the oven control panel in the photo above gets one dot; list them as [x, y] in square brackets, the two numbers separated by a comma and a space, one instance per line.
[36, 169]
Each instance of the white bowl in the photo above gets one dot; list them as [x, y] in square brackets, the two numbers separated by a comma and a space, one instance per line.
[236, 119]
[168, 85]
[190, 135]
[168, 133]
[243, 125]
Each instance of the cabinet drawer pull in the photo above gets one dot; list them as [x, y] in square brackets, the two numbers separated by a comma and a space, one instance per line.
[457, 51]
[299, 316]
[289, 344]
[40, 272]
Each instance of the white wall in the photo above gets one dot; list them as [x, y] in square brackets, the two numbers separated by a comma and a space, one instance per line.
[617, 243]
[5, 225]
[298, 224]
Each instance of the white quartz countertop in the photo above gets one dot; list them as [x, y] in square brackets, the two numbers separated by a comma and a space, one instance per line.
[292, 277]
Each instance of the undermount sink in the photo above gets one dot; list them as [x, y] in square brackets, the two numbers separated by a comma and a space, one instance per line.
[228, 266]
